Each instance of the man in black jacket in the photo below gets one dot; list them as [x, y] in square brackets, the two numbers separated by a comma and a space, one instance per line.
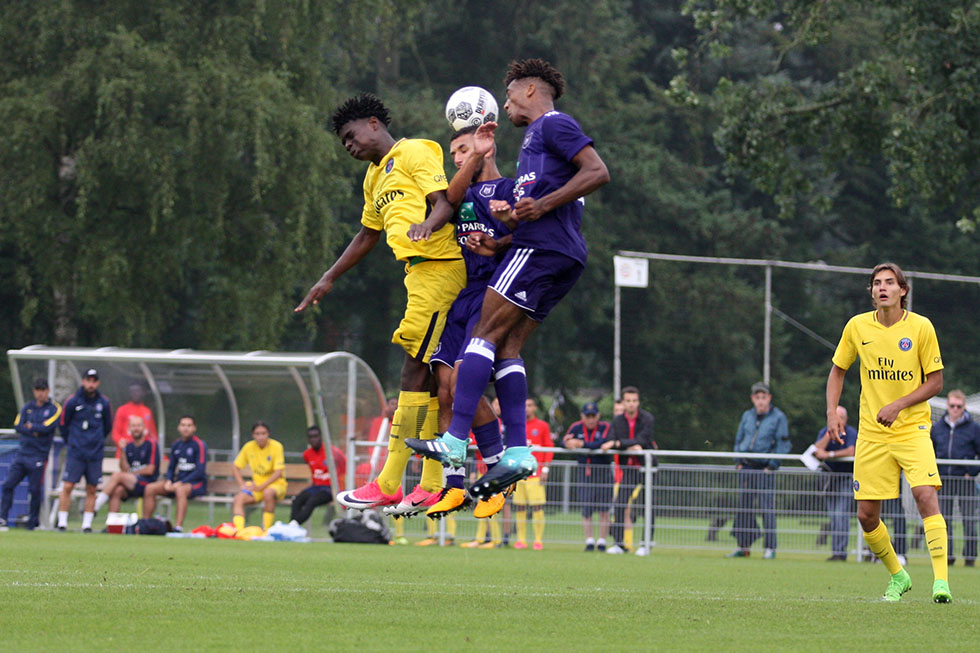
[956, 435]
[631, 431]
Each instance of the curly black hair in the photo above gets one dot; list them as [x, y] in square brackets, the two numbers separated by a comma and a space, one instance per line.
[360, 106]
[536, 68]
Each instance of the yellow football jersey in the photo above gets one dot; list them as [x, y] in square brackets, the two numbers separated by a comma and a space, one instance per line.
[263, 462]
[894, 361]
[395, 198]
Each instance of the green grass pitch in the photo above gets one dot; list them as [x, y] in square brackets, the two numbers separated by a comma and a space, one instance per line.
[68, 591]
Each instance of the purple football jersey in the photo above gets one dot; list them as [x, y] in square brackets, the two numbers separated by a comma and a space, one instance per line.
[544, 165]
[474, 215]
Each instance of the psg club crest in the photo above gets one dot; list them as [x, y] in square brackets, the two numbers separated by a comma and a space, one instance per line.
[857, 486]
[905, 344]
[389, 166]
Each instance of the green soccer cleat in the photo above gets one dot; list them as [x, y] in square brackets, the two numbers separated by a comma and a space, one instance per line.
[940, 592]
[899, 584]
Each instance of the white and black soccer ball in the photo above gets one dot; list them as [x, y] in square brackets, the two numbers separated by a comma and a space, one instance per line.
[470, 106]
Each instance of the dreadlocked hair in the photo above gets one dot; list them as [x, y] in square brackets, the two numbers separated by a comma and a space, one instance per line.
[536, 68]
[360, 106]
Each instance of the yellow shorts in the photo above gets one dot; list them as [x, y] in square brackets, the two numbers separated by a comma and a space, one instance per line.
[280, 488]
[529, 492]
[432, 287]
[877, 466]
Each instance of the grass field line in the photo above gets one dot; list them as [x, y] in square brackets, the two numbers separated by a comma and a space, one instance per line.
[525, 591]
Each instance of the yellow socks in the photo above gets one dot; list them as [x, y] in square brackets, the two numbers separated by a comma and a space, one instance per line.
[432, 471]
[936, 542]
[628, 537]
[537, 519]
[481, 530]
[880, 544]
[406, 423]
[268, 519]
[520, 519]
[494, 530]
[239, 521]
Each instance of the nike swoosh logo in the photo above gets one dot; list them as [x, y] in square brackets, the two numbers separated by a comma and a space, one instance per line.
[868, 342]
[931, 475]
[416, 504]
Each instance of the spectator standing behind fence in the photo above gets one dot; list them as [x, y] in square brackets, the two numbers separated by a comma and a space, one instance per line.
[187, 475]
[631, 431]
[530, 492]
[85, 424]
[956, 435]
[138, 467]
[320, 492]
[134, 407]
[266, 459]
[35, 423]
[840, 496]
[763, 429]
[594, 476]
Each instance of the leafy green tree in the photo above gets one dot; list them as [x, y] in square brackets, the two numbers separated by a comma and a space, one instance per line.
[902, 85]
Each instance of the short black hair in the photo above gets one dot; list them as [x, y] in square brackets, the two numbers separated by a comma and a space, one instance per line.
[261, 424]
[360, 106]
[190, 417]
[536, 68]
[469, 129]
[313, 428]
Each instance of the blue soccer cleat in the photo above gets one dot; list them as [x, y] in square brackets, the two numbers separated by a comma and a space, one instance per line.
[516, 464]
[447, 449]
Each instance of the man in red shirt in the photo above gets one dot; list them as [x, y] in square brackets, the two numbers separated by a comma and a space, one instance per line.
[631, 431]
[320, 492]
[135, 408]
[530, 492]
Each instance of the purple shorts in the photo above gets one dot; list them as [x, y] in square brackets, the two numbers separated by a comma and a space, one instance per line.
[535, 279]
[139, 489]
[462, 317]
[75, 468]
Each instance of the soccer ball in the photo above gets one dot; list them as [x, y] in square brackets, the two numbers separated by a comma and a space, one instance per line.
[470, 106]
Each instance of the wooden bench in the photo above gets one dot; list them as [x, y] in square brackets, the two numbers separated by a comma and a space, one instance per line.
[222, 487]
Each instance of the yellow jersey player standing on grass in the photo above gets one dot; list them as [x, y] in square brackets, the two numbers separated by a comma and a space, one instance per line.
[901, 368]
[405, 183]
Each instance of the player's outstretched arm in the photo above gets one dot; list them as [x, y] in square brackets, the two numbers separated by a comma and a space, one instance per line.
[440, 214]
[592, 174]
[463, 178]
[835, 385]
[359, 246]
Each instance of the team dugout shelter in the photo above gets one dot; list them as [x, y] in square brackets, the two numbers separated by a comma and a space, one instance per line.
[226, 392]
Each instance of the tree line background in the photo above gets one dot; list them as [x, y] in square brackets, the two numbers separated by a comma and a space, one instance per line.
[168, 178]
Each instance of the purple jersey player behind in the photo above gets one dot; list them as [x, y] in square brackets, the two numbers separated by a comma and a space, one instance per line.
[476, 184]
[557, 167]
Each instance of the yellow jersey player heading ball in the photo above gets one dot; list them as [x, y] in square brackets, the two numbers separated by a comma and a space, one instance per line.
[901, 368]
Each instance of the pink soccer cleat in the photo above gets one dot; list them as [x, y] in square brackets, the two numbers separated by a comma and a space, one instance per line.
[368, 496]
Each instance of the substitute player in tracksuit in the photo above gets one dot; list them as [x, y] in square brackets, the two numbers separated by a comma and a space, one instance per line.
[36, 423]
[86, 422]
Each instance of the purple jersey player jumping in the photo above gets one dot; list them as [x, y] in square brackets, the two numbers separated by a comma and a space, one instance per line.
[557, 167]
